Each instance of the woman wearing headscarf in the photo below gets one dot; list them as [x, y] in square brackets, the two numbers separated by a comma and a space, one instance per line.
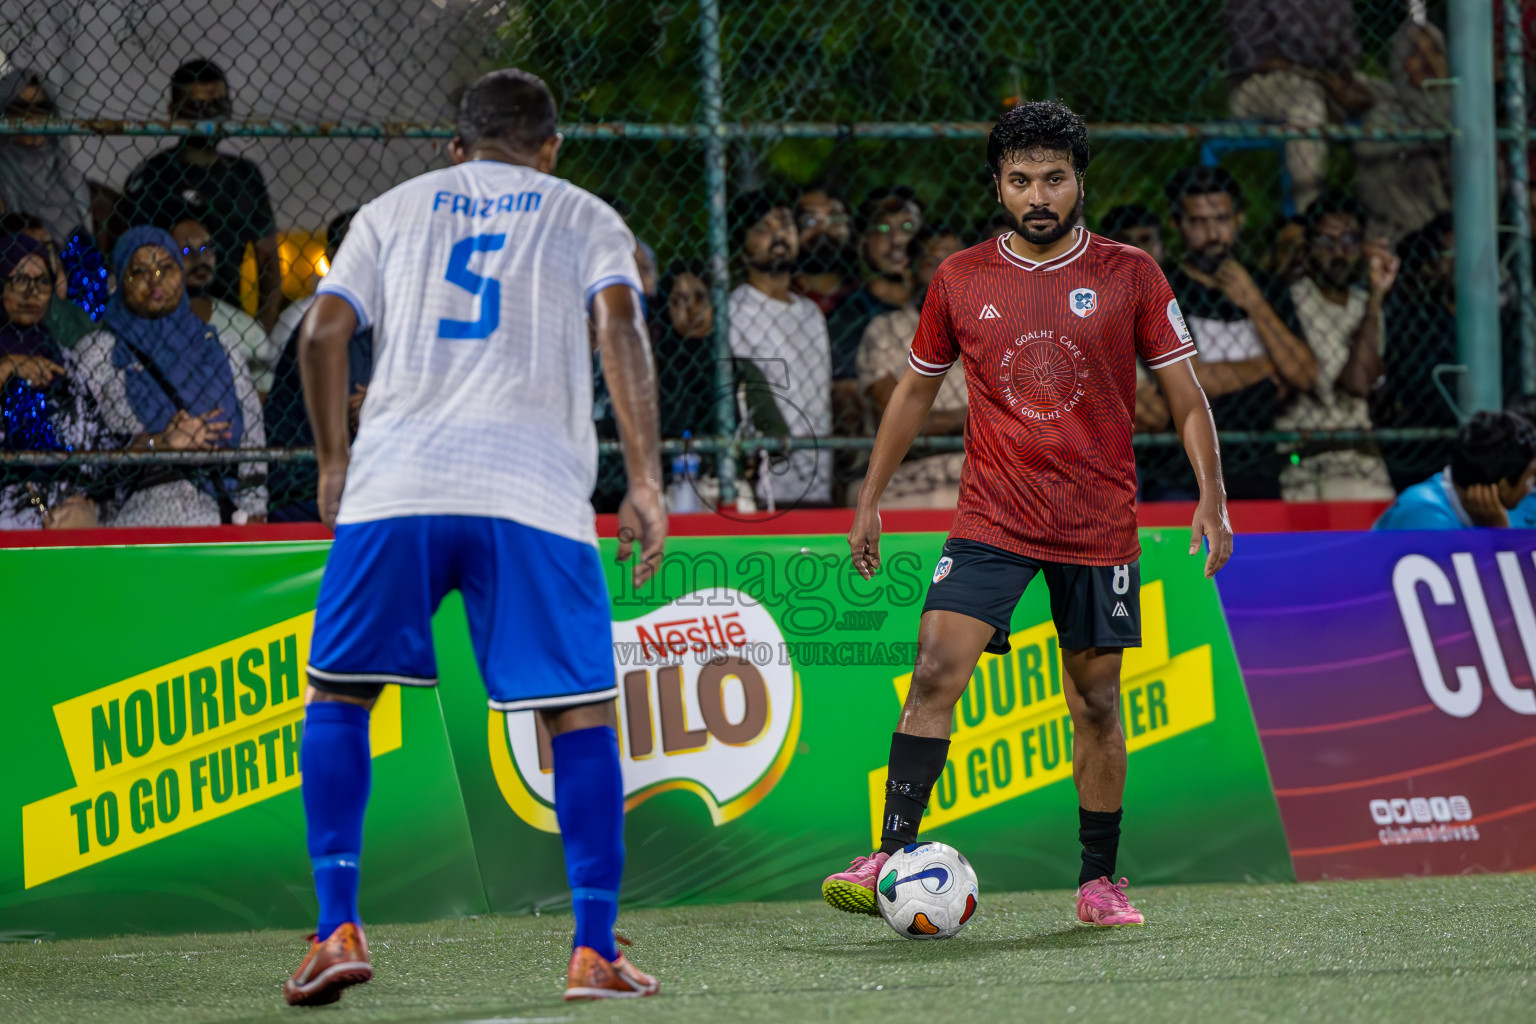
[44, 407]
[165, 381]
[36, 175]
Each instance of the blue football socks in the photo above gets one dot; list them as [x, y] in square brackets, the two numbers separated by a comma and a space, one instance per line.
[589, 804]
[337, 774]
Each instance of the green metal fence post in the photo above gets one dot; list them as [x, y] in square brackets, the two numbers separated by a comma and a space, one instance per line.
[1520, 187]
[710, 95]
[1475, 194]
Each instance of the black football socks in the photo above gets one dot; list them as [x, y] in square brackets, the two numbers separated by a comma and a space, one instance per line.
[916, 764]
[1099, 832]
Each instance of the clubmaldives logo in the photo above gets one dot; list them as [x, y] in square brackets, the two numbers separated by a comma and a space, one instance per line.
[698, 712]
[1418, 819]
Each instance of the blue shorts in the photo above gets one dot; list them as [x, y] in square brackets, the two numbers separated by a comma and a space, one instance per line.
[537, 605]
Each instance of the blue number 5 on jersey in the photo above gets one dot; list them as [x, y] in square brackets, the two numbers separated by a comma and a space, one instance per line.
[488, 290]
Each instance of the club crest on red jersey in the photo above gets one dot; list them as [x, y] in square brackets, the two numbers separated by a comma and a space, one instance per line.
[1083, 301]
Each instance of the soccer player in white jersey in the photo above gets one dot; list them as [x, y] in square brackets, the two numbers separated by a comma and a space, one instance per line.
[472, 471]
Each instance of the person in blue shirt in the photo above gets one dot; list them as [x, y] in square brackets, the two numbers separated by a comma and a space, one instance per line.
[1492, 470]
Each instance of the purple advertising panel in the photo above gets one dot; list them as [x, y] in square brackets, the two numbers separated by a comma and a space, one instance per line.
[1391, 680]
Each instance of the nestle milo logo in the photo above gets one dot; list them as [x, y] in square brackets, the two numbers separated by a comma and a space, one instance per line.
[696, 713]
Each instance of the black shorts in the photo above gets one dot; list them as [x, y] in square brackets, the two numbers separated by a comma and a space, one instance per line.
[1092, 605]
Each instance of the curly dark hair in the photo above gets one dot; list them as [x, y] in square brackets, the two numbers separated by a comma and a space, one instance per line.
[1493, 446]
[1036, 128]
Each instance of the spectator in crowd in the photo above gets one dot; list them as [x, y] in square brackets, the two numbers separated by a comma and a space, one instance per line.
[1493, 467]
[66, 322]
[36, 175]
[1524, 515]
[165, 381]
[200, 261]
[285, 331]
[1136, 225]
[1244, 324]
[889, 218]
[227, 193]
[1405, 185]
[1339, 307]
[1288, 61]
[45, 408]
[1287, 262]
[1421, 335]
[292, 486]
[827, 273]
[931, 481]
[684, 352]
[785, 336]
[645, 261]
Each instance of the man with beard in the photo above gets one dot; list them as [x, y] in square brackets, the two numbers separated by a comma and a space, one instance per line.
[1244, 326]
[1048, 322]
[825, 275]
[1342, 323]
[201, 260]
[889, 218]
[785, 336]
[228, 190]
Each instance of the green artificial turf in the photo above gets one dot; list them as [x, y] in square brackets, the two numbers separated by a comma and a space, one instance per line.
[1441, 949]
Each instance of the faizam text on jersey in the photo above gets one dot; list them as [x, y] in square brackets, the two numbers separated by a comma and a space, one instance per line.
[470, 206]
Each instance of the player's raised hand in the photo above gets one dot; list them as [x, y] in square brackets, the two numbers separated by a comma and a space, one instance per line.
[864, 542]
[1212, 524]
[642, 518]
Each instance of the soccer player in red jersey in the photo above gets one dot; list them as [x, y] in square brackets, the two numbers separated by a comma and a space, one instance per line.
[1047, 322]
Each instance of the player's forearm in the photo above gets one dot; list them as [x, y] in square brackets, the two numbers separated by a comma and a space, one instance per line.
[631, 381]
[323, 341]
[904, 417]
[1198, 432]
[1192, 418]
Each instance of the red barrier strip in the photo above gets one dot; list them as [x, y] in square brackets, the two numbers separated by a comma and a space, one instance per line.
[1247, 517]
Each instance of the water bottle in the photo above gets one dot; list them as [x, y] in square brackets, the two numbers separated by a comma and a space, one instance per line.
[681, 495]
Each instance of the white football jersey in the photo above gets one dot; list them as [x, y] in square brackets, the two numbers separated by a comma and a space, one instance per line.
[478, 280]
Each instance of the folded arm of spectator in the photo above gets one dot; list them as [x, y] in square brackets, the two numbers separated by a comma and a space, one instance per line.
[1224, 378]
[1292, 357]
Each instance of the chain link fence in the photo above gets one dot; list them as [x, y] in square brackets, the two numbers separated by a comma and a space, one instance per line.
[793, 171]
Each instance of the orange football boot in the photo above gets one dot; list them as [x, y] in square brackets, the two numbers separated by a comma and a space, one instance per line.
[338, 963]
[594, 976]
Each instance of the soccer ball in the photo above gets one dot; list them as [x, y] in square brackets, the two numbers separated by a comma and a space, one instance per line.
[927, 891]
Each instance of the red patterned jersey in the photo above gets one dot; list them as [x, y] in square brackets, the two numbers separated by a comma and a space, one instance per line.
[1049, 351]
